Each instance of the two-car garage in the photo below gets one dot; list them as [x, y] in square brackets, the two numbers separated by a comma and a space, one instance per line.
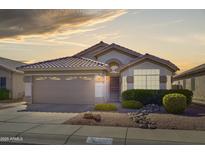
[67, 80]
[64, 89]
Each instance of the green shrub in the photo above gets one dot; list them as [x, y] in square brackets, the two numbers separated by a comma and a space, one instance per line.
[132, 104]
[175, 103]
[4, 94]
[105, 107]
[153, 96]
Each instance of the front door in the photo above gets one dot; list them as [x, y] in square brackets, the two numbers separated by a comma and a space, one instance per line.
[114, 89]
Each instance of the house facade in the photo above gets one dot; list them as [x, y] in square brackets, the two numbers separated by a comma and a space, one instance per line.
[12, 79]
[95, 75]
[194, 80]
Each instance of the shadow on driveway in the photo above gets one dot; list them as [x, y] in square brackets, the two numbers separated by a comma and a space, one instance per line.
[60, 107]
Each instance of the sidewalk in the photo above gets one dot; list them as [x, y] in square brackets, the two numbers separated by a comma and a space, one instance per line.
[76, 134]
[17, 127]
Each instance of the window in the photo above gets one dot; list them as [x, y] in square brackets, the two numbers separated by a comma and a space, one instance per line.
[85, 78]
[54, 78]
[41, 78]
[114, 66]
[71, 78]
[2, 82]
[146, 79]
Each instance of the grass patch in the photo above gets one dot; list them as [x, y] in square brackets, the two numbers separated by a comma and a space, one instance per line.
[4, 94]
[132, 104]
[105, 107]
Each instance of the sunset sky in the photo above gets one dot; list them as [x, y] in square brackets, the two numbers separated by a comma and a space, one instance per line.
[36, 35]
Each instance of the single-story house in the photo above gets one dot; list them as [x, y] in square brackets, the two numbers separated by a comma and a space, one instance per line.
[95, 75]
[194, 80]
[11, 78]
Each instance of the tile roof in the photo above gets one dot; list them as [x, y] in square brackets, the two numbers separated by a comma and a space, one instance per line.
[116, 46]
[79, 62]
[10, 64]
[197, 69]
[151, 57]
[66, 63]
[97, 46]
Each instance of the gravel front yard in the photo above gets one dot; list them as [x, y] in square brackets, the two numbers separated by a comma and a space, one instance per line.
[108, 119]
[192, 119]
[170, 121]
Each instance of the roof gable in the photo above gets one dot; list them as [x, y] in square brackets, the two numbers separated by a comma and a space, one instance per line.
[119, 48]
[10, 64]
[92, 49]
[197, 69]
[155, 59]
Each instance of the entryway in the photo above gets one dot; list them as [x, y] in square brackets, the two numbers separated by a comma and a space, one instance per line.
[114, 89]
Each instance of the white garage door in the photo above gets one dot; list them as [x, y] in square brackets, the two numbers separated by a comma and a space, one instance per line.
[64, 90]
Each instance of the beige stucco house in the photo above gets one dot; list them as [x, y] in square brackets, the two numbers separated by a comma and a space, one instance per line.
[11, 78]
[194, 80]
[95, 75]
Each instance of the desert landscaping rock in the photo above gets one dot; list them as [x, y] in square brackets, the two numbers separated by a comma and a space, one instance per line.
[140, 116]
[88, 115]
[97, 117]
[152, 126]
[92, 116]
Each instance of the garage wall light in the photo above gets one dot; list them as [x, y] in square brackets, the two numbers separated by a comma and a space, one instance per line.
[99, 78]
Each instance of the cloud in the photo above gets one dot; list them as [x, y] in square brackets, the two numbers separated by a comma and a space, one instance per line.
[195, 39]
[42, 42]
[105, 36]
[18, 24]
[167, 23]
[199, 38]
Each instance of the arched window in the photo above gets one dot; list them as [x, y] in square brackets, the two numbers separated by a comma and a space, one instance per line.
[114, 66]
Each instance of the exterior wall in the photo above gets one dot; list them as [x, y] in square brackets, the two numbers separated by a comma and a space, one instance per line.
[101, 87]
[17, 86]
[147, 65]
[28, 80]
[14, 83]
[8, 75]
[198, 90]
[123, 58]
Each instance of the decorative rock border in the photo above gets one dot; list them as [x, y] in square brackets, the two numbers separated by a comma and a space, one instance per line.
[140, 116]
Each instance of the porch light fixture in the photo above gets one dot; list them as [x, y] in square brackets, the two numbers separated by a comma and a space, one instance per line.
[99, 78]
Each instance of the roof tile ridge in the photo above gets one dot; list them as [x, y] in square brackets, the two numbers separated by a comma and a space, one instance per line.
[114, 44]
[95, 61]
[190, 70]
[45, 61]
[93, 46]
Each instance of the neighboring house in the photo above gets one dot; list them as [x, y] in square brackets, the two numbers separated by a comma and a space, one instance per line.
[11, 78]
[97, 74]
[194, 80]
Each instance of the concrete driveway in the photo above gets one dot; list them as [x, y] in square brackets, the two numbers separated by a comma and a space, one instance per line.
[17, 127]
[18, 115]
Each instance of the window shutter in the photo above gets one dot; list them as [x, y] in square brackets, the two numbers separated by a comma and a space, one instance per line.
[163, 79]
